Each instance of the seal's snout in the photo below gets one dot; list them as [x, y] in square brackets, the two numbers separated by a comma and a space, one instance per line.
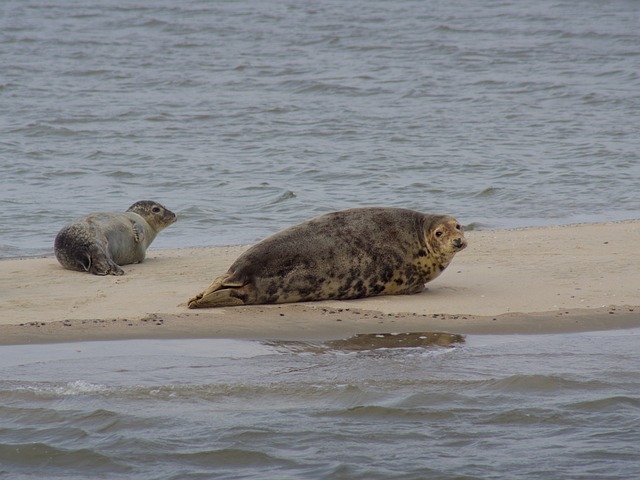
[460, 243]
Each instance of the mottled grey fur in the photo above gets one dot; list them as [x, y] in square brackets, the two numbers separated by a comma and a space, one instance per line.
[347, 254]
[100, 242]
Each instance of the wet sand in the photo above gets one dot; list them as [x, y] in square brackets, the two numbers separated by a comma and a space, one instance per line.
[533, 280]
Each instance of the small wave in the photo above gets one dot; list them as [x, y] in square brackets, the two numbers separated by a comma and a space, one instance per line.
[530, 416]
[121, 174]
[288, 195]
[537, 383]
[386, 413]
[78, 387]
[44, 130]
[81, 387]
[88, 73]
[35, 456]
[615, 403]
[487, 192]
[314, 86]
[227, 457]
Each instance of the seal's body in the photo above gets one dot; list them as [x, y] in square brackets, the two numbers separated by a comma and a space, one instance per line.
[100, 242]
[348, 254]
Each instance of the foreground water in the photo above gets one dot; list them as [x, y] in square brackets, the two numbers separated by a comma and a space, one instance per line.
[517, 407]
[248, 116]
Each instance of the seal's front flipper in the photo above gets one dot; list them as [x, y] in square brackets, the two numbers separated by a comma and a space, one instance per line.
[138, 232]
[223, 292]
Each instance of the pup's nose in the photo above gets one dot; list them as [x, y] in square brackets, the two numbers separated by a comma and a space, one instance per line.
[458, 242]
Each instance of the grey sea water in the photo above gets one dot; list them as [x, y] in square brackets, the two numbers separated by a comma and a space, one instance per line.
[510, 407]
[248, 116]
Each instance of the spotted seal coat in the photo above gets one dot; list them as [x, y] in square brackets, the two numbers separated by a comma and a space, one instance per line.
[348, 254]
[100, 242]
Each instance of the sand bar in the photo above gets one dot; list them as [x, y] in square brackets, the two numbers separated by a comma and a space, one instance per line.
[533, 280]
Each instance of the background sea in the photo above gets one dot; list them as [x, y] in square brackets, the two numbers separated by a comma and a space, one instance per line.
[248, 116]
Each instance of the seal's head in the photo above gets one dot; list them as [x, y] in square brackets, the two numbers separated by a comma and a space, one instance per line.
[444, 235]
[156, 215]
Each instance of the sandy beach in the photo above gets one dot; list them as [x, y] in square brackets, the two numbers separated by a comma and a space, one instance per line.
[533, 280]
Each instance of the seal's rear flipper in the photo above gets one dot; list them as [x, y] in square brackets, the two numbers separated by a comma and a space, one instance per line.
[105, 266]
[223, 292]
[100, 263]
[219, 298]
[84, 261]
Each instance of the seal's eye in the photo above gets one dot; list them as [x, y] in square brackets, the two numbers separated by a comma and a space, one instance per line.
[155, 209]
[457, 227]
[438, 233]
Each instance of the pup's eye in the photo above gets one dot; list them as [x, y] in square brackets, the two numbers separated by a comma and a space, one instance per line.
[155, 209]
[457, 227]
[438, 234]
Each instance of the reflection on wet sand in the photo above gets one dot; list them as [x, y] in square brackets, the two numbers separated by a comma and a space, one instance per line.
[374, 341]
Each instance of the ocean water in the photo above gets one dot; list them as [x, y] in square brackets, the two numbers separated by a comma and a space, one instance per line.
[248, 116]
[496, 407]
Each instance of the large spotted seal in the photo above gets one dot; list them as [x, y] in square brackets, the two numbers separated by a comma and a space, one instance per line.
[100, 242]
[352, 253]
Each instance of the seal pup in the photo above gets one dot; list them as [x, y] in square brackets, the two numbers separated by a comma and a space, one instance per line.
[100, 242]
[347, 254]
